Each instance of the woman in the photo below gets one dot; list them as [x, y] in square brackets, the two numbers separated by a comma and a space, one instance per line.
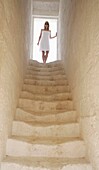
[44, 37]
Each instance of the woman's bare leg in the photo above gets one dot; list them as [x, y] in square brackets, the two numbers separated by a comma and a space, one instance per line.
[47, 52]
[43, 56]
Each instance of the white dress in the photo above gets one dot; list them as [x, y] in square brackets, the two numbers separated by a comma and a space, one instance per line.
[44, 42]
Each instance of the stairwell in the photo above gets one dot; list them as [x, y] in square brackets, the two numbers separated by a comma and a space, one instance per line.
[45, 132]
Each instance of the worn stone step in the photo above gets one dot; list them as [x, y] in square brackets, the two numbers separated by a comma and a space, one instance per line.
[57, 63]
[74, 148]
[46, 89]
[45, 73]
[33, 105]
[52, 77]
[21, 128]
[67, 117]
[44, 140]
[43, 69]
[53, 97]
[35, 68]
[44, 163]
[44, 113]
[44, 123]
[45, 82]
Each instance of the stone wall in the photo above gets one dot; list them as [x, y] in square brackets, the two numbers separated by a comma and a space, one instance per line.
[79, 46]
[14, 55]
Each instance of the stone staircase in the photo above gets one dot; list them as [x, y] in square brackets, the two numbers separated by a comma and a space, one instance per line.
[45, 132]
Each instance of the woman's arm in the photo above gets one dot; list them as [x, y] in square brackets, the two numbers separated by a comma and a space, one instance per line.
[39, 37]
[53, 36]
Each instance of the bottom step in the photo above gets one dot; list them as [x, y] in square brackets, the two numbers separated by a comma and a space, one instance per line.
[43, 163]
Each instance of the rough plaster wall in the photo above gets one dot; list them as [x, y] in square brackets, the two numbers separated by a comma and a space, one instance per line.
[27, 31]
[79, 30]
[14, 54]
[64, 14]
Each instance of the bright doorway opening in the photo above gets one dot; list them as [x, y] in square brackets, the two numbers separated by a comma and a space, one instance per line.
[38, 25]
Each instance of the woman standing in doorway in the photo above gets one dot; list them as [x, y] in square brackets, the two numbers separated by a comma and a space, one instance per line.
[44, 37]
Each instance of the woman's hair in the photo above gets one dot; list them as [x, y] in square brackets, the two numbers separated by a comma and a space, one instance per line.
[46, 23]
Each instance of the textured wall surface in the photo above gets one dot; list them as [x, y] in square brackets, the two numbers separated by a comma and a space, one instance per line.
[79, 30]
[14, 54]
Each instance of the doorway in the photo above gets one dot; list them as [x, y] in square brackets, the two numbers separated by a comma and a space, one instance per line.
[38, 25]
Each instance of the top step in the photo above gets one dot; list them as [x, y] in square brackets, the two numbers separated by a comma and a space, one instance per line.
[43, 68]
[47, 65]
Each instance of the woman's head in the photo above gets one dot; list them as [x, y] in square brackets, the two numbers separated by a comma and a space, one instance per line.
[46, 25]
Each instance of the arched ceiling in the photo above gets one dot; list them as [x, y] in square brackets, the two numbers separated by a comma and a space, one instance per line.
[46, 7]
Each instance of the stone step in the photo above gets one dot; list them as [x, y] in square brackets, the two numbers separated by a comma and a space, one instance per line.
[35, 68]
[44, 113]
[48, 98]
[44, 123]
[44, 163]
[57, 63]
[45, 82]
[21, 128]
[52, 77]
[73, 148]
[44, 140]
[33, 105]
[46, 89]
[67, 117]
[45, 73]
